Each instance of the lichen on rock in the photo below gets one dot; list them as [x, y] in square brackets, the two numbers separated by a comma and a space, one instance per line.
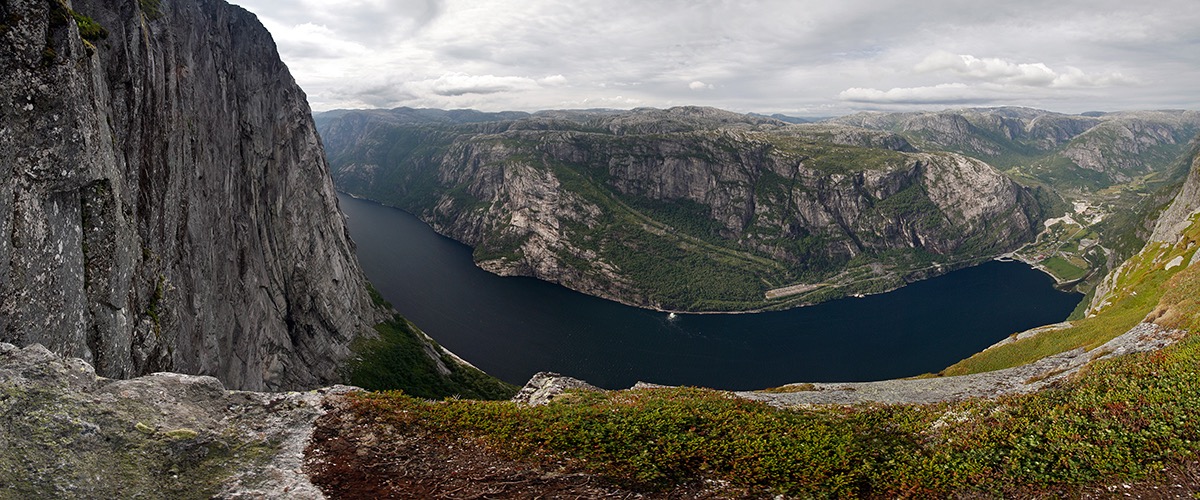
[69, 433]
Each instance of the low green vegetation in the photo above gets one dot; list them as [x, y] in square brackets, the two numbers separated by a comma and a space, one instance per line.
[151, 8]
[377, 298]
[89, 29]
[1128, 419]
[1063, 269]
[832, 158]
[402, 358]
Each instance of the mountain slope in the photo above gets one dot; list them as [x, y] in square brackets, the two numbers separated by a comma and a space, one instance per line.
[685, 208]
[1099, 176]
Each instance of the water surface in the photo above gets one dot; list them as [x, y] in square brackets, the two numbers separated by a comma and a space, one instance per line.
[515, 327]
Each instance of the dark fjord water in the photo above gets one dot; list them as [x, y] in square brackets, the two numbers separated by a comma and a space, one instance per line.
[515, 327]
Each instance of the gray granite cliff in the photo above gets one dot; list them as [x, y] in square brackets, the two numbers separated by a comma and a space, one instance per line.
[164, 200]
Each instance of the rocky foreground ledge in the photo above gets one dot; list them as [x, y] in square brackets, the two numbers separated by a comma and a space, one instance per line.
[68, 433]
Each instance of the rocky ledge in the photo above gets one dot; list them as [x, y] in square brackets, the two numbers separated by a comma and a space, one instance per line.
[70, 433]
[544, 387]
[1018, 380]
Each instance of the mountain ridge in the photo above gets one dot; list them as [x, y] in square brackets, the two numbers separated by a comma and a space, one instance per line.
[769, 203]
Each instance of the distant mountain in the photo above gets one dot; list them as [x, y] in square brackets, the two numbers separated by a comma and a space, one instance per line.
[420, 115]
[786, 118]
[1073, 153]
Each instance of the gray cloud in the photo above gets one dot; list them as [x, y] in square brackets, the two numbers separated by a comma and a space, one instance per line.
[821, 57]
[1007, 72]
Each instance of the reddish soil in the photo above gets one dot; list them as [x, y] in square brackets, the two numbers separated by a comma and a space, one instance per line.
[350, 458]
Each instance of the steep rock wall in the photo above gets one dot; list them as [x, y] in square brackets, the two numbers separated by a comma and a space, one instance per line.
[165, 201]
[1178, 215]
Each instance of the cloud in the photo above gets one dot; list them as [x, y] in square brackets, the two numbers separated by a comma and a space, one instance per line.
[456, 84]
[998, 70]
[756, 55]
[946, 93]
[553, 80]
[381, 94]
[315, 41]
[1075, 77]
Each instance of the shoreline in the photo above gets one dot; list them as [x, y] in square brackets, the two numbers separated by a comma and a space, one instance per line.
[1059, 283]
[942, 269]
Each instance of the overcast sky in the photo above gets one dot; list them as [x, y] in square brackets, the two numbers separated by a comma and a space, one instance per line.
[804, 58]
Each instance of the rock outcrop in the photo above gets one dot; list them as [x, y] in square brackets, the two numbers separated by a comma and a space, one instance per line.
[70, 434]
[165, 202]
[1023, 379]
[543, 387]
[687, 208]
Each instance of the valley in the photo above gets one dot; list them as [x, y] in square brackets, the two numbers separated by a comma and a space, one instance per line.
[687, 209]
[185, 250]
[515, 327]
[696, 209]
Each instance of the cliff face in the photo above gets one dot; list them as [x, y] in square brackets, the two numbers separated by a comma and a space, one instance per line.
[165, 201]
[688, 208]
[1180, 214]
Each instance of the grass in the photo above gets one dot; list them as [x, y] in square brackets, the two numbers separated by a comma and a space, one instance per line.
[1123, 420]
[1063, 269]
[89, 29]
[1180, 304]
